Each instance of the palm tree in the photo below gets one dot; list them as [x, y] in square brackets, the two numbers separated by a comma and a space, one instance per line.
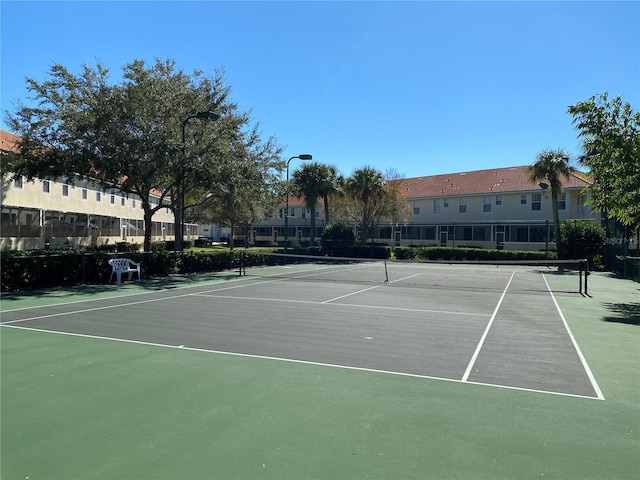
[365, 185]
[551, 165]
[328, 186]
[311, 181]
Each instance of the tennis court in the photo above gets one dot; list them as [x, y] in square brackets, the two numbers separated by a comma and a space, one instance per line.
[342, 315]
[497, 328]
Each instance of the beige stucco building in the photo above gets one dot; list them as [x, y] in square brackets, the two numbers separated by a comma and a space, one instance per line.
[493, 208]
[68, 212]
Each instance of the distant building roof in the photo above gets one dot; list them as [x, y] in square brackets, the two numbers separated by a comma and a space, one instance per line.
[8, 141]
[491, 181]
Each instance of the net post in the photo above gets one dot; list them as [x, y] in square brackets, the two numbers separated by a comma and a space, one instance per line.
[586, 276]
[581, 267]
[386, 272]
[241, 262]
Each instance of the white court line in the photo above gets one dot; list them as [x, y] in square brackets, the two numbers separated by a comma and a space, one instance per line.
[150, 292]
[118, 305]
[304, 362]
[355, 305]
[583, 360]
[406, 278]
[465, 377]
[350, 294]
[206, 293]
[319, 271]
[370, 288]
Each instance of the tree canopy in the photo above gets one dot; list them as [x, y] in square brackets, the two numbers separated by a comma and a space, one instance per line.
[244, 187]
[312, 181]
[368, 196]
[129, 135]
[610, 133]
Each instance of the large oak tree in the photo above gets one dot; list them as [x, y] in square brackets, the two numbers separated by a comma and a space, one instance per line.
[128, 135]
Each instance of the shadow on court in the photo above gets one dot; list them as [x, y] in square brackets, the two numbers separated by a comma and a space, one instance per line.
[628, 313]
[90, 291]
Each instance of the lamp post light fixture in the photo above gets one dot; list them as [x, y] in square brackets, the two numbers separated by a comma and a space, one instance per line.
[203, 116]
[302, 156]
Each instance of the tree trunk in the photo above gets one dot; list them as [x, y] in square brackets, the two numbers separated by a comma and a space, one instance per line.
[148, 227]
[326, 210]
[364, 222]
[312, 226]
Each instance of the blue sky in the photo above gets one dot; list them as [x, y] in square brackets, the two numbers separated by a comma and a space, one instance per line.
[420, 87]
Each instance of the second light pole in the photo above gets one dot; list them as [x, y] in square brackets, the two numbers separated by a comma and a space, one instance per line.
[203, 116]
[302, 156]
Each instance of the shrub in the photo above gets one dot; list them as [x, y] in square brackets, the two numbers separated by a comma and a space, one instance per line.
[42, 269]
[460, 254]
[337, 239]
[405, 253]
[369, 251]
[581, 239]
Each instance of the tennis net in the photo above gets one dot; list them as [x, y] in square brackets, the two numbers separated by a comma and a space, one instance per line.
[568, 276]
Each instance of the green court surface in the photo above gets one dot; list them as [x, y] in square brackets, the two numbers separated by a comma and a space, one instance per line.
[84, 405]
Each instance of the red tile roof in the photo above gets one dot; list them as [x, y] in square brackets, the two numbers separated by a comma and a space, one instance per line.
[478, 182]
[8, 141]
[492, 181]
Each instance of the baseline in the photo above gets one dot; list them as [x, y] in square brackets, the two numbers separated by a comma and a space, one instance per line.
[304, 362]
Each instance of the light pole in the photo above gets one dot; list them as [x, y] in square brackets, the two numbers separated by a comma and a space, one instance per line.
[302, 156]
[203, 116]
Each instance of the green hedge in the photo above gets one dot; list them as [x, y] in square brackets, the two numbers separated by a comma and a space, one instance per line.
[444, 253]
[44, 268]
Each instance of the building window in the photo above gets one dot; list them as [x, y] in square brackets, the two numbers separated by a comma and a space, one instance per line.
[487, 204]
[498, 200]
[317, 213]
[84, 194]
[523, 199]
[462, 205]
[281, 213]
[98, 197]
[436, 206]
[17, 183]
[65, 190]
[446, 203]
[122, 199]
[562, 201]
[580, 202]
[536, 201]
[113, 199]
[522, 234]
[416, 210]
[46, 186]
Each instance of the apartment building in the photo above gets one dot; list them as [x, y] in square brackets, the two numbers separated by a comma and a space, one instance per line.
[493, 208]
[69, 212]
